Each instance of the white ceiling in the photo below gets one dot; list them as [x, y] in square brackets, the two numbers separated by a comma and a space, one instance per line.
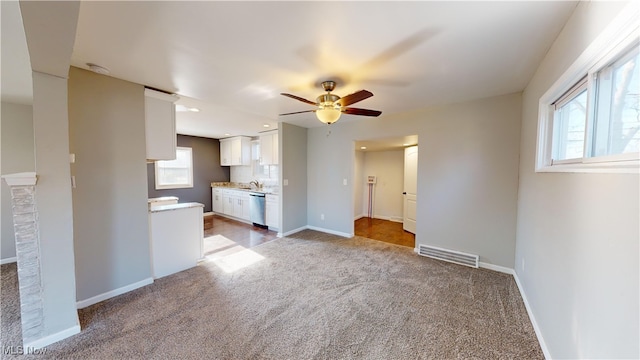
[232, 59]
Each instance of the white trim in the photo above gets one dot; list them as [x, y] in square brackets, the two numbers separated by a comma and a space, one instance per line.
[50, 339]
[329, 231]
[8, 260]
[113, 293]
[617, 36]
[294, 231]
[188, 185]
[532, 318]
[208, 213]
[21, 179]
[358, 217]
[497, 268]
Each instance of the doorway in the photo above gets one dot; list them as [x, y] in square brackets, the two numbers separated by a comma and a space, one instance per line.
[381, 209]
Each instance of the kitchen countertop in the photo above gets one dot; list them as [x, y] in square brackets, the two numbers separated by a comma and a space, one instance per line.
[232, 187]
[175, 207]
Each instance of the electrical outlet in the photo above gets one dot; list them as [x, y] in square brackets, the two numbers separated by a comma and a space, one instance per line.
[285, 182]
[321, 216]
[344, 181]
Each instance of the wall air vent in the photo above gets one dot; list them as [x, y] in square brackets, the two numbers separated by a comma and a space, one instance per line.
[455, 257]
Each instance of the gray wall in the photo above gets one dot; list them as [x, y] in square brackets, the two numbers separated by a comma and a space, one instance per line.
[17, 156]
[54, 203]
[106, 120]
[206, 168]
[467, 174]
[577, 238]
[293, 159]
[359, 205]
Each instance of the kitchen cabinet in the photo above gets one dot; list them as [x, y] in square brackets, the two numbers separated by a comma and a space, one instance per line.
[160, 125]
[235, 203]
[269, 149]
[246, 206]
[272, 211]
[216, 200]
[235, 151]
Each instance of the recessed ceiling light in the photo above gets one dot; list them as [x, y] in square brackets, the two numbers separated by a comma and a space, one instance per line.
[266, 125]
[406, 144]
[227, 134]
[98, 69]
[363, 148]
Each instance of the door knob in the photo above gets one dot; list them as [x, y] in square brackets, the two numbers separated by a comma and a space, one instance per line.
[404, 193]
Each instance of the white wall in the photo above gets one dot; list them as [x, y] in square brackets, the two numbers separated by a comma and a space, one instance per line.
[17, 156]
[388, 167]
[578, 234]
[107, 133]
[467, 174]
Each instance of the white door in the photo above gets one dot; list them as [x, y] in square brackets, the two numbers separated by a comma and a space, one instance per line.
[410, 188]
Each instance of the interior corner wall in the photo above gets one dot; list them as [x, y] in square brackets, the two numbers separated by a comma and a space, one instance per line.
[17, 150]
[111, 233]
[358, 186]
[206, 169]
[388, 167]
[467, 174]
[293, 159]
[578, 233]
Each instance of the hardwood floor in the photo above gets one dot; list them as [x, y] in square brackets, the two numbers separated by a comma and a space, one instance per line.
[226, 236]
[384, 230]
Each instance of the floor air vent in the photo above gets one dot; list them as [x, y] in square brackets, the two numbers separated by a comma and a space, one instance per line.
[455, 257]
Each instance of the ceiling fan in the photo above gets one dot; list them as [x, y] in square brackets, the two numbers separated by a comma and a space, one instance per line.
[331, 106]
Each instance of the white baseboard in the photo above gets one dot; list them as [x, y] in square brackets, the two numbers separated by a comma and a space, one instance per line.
[329, 231]
[541, 341]
[358, 217]
[50, 339]
[208, 213]
[113, 293]
[295, 231]
[8, 260]
[497, 268]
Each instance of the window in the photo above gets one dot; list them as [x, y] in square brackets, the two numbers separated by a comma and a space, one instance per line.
[589, 121]
[175, 174]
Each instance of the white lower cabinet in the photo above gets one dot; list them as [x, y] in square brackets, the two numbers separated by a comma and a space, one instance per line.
[216, 200]
[272, 211]
[235, 203]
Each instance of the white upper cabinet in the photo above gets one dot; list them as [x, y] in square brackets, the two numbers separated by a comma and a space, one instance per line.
[269, 149]
[160, 125]
[235, 151]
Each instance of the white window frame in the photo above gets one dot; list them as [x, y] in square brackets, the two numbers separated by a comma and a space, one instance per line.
[613, 42]
[176, 186]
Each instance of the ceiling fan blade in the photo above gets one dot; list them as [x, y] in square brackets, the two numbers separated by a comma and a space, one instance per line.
[297, 112]
[299, 99]
[364, 112]
[355, 97]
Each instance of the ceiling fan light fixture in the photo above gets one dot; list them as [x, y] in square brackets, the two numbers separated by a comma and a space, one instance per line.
[328, 113]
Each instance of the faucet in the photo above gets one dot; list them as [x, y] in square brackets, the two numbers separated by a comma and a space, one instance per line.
[256, 183]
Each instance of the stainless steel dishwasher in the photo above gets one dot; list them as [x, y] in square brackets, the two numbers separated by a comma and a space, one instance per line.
[257, 208]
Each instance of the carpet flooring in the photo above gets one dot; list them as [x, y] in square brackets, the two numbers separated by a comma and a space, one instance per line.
[307, 296]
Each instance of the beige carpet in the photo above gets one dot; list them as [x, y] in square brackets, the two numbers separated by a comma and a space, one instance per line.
[308, 296]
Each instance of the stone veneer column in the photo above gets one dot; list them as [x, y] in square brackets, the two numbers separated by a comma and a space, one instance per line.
[25, 223]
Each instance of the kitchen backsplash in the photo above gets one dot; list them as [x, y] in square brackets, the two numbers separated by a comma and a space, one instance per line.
[244, 174]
